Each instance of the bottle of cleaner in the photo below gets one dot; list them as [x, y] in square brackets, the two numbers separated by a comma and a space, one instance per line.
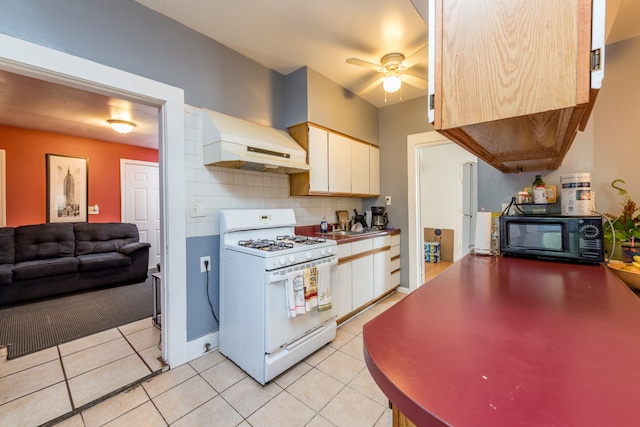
[539, 191]
[324, 227]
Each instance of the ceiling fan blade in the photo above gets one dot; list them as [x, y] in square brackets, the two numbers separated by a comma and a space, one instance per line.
[365, 64]
[371, 85]
[416, 57]
[416, 81]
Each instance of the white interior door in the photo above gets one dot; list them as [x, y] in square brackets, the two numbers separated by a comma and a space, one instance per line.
[141, 202]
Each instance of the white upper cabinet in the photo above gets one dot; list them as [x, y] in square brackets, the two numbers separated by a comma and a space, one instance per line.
[340, 166]
[359, 168]
[318, 153]
[374, 171]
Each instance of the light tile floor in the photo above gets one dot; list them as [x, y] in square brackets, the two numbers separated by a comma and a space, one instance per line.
[331, 387]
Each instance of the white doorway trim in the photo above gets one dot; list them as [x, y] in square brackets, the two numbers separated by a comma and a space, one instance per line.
[416, 260]
[29, 59]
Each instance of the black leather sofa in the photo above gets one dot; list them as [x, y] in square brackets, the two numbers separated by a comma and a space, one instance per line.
[51, 260]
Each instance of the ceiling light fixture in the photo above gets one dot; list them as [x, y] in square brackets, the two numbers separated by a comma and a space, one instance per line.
[392, 82]
[121, 126]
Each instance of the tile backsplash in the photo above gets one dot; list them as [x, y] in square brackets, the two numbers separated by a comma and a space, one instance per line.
[214, 188]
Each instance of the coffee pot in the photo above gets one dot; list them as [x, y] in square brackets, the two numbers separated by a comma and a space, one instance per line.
[379, 217]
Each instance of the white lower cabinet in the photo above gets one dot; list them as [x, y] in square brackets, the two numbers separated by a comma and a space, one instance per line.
[381, 265]
[343, 299]
[363, 273]
[394, 256]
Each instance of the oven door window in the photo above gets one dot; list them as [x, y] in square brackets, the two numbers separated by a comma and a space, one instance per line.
[546, 237]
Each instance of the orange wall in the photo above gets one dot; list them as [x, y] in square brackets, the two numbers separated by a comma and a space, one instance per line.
[26, 172]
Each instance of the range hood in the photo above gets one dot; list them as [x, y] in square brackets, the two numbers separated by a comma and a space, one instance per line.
[240, 144]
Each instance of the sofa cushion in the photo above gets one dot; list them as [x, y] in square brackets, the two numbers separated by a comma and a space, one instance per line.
[95, 238]
[44, 268]
[44, 241]
[103, 261]
[7, 245]
[6, 274]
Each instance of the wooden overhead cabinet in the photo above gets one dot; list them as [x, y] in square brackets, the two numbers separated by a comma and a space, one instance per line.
[513, 81]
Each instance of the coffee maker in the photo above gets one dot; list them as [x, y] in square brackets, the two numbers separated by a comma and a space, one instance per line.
[379, 217]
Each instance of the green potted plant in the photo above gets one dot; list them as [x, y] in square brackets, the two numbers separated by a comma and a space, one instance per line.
[626, 226]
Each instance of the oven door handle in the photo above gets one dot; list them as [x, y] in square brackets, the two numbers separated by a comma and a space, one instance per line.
[276, 278]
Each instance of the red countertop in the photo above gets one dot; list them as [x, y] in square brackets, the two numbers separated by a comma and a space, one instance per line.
[497, 341]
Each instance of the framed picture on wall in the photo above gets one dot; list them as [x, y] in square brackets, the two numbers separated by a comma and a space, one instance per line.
[67, 188]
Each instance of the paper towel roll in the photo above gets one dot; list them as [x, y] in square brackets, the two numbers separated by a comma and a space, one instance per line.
[482, 243]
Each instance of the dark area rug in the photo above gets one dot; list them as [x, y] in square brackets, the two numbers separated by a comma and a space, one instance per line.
[33, 327]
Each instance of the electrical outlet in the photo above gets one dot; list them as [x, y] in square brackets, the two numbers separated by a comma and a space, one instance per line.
[387, 200]
[204, 268]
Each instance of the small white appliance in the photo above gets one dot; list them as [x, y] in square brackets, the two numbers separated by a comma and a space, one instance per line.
[259, 252]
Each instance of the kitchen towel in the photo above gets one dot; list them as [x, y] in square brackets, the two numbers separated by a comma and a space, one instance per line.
[310, 288]
[482, 244]
[294, 292]
[324, 287]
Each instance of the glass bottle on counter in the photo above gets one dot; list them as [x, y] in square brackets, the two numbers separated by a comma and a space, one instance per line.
[324, 227]
[539, 191]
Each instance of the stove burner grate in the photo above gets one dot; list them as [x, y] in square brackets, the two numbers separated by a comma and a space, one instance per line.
[265, 244]
[304, 240]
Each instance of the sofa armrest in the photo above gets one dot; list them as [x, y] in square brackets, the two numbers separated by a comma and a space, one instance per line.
[130, 248]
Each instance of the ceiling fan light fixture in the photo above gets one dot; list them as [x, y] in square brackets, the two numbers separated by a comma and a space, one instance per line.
[392, 83]
[121, 126]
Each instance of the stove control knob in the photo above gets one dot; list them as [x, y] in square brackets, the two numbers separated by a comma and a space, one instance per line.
[323, 252]
[282, 260]
[307, 255]
[292, 258]
[329, 250]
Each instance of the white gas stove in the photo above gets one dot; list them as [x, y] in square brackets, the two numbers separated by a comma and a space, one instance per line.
[259, 255]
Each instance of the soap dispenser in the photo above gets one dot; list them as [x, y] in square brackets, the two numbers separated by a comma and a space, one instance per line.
[324, 227]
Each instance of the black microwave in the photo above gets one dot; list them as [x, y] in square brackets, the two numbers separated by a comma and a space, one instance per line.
[558, 238]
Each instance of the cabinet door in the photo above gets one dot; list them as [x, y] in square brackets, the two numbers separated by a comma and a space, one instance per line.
[381, 272]
[359, 168]
[538, 55]
[374, 171]
[343, 297]
[318, 154]
[362, 280]
[339, 164]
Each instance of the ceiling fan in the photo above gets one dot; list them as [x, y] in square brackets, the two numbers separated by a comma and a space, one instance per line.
[394, 67]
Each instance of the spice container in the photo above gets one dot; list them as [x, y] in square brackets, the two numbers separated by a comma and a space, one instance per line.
[539, 191]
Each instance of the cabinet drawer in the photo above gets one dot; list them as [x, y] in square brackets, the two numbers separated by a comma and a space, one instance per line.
[395, 264]
[381, 242]
[395, 240]
[361, 246]
[395, 251]
[395, 278]
[344, 250]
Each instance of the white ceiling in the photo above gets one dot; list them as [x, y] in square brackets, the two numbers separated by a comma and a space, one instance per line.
[283, 35]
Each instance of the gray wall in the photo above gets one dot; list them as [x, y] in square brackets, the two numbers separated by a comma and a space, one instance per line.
[128, 36]
[311, 97]
[396, 122]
